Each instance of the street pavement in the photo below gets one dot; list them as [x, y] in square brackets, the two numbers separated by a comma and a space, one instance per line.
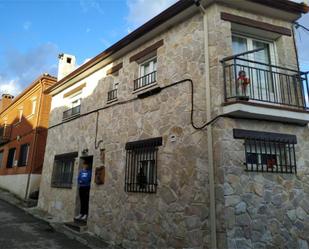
[19, 230]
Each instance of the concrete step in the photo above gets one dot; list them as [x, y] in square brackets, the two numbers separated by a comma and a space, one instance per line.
[77, 226]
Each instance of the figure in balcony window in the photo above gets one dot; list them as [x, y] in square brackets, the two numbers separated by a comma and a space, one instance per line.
[243, 81]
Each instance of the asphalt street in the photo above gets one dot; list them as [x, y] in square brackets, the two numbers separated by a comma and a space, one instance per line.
[19, 230]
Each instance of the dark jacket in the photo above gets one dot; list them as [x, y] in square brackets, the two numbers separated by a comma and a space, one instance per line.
[84, 178]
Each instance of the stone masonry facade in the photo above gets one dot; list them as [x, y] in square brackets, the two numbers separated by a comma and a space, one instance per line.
[177, 215]
[253, 210]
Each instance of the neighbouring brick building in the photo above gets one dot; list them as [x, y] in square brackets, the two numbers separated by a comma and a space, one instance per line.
[196, 124]
[23, 133]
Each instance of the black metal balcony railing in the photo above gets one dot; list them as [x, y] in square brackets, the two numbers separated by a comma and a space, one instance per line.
[5, 134]
[71, 112]
[112, 95]
[145, 80]
[246, 79]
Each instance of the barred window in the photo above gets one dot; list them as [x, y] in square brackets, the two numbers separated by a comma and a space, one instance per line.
[63, 170]
[141, 165]
[268, 152]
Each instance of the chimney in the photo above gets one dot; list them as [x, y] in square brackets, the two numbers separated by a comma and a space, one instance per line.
[67, 63]
[5, 101]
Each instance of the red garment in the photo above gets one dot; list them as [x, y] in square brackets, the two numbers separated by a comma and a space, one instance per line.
[243, 80]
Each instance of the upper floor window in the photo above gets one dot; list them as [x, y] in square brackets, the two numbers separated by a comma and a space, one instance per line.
[11, 158]
[23, 155]
[20, 114]
[112, 94]
[33, 106]
[252, 74]
[141, 166]
[148, 66]
[74, 103]
[147, 73]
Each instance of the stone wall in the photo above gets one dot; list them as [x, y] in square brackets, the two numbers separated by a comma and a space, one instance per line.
[260, 210]
[177, 215]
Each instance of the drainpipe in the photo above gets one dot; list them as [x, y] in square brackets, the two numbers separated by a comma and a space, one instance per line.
[212, 212]
[34, 141]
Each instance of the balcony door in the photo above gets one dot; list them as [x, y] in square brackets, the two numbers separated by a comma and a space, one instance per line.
[256, 67]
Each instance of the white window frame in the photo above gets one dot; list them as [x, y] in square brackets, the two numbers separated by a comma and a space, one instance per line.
[273, 55]
[75, 100]
[152, 62]
[250, 39]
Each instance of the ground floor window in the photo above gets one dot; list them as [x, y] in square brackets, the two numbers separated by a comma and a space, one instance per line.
[141, 165]
[23, 155]
[268, 152]
[11, 158]
[63, 170]
[1, 158]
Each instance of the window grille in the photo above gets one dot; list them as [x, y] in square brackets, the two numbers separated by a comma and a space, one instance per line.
[141, 165]
[23, 155]
[63, 170]
[268, 152]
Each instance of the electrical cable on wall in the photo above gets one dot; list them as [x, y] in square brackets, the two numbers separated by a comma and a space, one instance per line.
[97, 144]
[192, 105]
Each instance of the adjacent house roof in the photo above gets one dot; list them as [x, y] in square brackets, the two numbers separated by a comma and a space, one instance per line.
[32, 85]
[164, 16]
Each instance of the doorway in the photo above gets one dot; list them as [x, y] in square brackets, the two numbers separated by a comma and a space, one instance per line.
[83, 190]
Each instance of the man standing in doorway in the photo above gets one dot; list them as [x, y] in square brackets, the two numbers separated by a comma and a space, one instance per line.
[84, 181]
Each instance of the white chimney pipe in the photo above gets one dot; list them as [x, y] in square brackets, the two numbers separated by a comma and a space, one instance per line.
[67, 64]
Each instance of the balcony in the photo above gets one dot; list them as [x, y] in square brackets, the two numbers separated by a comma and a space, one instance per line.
[259, 90]
[112, 95]
[145, 80]
[5, 134]
[75, 111]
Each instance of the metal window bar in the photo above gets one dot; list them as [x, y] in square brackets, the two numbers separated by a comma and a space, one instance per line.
[141, 170]
[112, 95]
[268, 83]
[145, 80]
[71, 112]
[264, 155]
[62, 173]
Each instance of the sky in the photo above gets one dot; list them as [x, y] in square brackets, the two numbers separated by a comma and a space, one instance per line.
[34, 32]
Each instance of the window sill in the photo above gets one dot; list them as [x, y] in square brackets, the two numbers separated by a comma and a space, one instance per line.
[145, 88]
[112, 101]
[30, 116]
[71, 117]
[63, 187]
[17, 124]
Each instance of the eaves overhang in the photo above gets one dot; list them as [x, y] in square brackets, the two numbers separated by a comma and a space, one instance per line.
[170, 16]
